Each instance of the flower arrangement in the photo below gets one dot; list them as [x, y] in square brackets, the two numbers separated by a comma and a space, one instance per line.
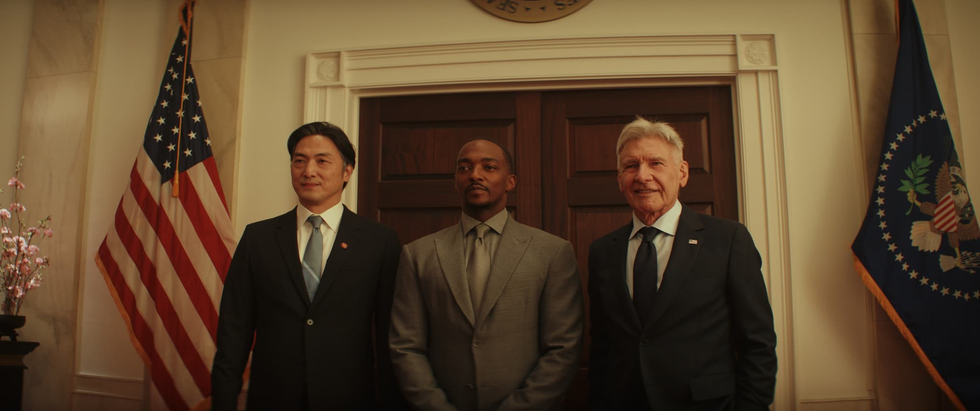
[21, 265]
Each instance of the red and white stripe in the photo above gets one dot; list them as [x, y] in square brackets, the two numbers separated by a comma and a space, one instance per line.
[165, 259]
[945, 218]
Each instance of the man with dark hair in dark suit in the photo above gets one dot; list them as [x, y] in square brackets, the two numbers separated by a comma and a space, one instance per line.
[313, 289]
[679, 311]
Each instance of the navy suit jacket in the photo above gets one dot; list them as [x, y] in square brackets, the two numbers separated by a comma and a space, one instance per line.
[316, 354]
[709, 343]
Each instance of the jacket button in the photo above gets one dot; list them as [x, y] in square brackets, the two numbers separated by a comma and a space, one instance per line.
[469, 386]
[476, 343]
[309, 322]
[644, 342]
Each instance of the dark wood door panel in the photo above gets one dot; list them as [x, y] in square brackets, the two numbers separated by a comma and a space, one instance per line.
[584, 127]
[427, 149]
[412, 224]
[448, 107]
[408, 147]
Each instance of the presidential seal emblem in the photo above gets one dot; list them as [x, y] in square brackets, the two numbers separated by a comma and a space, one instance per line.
[923, 194]
[530, 11]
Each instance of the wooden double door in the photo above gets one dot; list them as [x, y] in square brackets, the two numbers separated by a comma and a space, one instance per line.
[564, 148]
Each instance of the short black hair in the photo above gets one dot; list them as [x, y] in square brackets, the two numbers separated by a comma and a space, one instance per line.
[507, 156]
[327, 130]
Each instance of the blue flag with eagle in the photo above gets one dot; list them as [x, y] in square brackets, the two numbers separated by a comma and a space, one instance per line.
[917, 250]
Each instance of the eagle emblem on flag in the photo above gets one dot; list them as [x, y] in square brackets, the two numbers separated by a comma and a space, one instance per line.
[953, 216]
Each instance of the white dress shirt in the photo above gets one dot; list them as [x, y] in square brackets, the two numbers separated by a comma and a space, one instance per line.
[664, 241]
[328, 229]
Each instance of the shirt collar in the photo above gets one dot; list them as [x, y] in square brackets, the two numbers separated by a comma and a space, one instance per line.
[331, 217]
[666, 223]
[496, 222]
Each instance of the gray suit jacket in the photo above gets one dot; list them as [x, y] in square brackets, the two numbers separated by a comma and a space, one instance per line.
[521, 351]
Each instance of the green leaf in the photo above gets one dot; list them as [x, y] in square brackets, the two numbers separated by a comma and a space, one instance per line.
[910, 173]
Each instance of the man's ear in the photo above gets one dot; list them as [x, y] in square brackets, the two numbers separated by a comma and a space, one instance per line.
[684, 173]
[511, 182]
[348, 171]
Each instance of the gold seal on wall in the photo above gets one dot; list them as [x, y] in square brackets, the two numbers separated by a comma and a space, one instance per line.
[531, 11]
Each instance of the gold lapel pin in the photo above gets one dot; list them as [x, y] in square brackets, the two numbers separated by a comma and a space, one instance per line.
[692, 241]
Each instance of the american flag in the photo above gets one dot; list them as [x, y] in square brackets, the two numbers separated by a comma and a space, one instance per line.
[166, 255]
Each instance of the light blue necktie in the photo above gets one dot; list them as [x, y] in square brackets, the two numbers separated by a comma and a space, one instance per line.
[313, 257]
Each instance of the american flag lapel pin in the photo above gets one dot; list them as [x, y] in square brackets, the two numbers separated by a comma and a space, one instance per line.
[692, 241]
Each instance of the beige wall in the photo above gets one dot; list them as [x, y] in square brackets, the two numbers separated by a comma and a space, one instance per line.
[962, 16]
[15, 27]
[833, 327]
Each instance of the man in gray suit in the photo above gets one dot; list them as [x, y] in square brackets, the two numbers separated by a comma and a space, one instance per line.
[487, 313]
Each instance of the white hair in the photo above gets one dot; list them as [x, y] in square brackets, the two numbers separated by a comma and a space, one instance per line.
[643, 128]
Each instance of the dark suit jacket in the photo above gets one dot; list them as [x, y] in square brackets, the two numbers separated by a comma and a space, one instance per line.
[520, 351]
[313, 355]
[710, 343]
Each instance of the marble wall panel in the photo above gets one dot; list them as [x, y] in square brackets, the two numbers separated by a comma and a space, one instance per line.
[220, 84]
[903, 382]
[219, 27]
[63, 37]
[869, 17]
[54, 135]
[878, 16]
[874, 68]
[941, 61]
[54, 139]
[15, 30]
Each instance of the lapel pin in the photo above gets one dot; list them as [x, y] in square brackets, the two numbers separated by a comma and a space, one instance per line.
[343, 245]
[692, 241]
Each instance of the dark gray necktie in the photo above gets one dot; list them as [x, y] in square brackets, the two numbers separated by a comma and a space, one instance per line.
[478, 267]
[313, 257]
[645, 274]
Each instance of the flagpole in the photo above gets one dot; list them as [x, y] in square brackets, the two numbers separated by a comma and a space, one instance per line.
[185, 24]
[898, 24]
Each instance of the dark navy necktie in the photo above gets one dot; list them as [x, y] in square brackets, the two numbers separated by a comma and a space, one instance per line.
[645, 274]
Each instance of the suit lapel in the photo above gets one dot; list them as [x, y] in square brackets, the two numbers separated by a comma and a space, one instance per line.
[343, 246]
[286, 239]
[513, 243]
[687, 244]
[449, 249]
